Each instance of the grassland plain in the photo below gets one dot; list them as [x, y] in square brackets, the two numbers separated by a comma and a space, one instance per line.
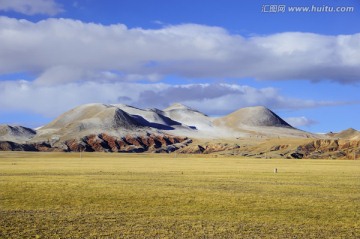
[60, 195]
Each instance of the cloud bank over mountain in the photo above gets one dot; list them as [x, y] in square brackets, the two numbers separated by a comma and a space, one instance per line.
[214, 99]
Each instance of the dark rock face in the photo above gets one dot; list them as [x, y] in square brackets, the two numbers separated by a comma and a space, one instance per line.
[297, 155]
[11, 146]
[105, 143]
[124, 120]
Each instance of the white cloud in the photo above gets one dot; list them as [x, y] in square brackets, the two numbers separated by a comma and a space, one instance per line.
[300, 121]
[59, 51]
[213, 99]
[31, 7]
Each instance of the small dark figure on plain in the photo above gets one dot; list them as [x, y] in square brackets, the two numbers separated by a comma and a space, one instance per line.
[275, 170]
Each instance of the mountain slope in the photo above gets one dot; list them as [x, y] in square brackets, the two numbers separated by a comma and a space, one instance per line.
[16, 133]
[154, 118]
[252, 116]
[89, 119]
[350, 134]
[188, 116]
[99, 115]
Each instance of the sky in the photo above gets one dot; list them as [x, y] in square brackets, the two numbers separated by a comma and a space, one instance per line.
[299, 58]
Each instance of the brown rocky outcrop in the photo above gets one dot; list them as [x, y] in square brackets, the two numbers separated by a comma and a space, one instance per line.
[321, 148]
[209, 148]
[105, 143]
[329, 148]
[278, 147]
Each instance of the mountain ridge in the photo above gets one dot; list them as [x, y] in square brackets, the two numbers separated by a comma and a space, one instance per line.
[123, 128]
[119, 120]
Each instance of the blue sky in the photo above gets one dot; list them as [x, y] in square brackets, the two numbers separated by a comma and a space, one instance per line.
[215, 56]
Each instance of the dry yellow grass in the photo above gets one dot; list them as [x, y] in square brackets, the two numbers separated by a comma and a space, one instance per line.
[59, 195]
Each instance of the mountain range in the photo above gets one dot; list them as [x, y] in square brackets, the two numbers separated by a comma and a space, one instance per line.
[252, 131]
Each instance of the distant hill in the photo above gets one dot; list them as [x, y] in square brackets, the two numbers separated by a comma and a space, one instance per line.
[16, 133]
[350, 134]
[253, 116]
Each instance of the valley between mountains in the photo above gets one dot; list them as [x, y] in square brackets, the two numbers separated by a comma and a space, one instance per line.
[250, 132]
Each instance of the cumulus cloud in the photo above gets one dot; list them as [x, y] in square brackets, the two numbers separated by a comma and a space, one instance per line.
[212, 99]
[59, 51]
[300, 121]
[31, 7]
